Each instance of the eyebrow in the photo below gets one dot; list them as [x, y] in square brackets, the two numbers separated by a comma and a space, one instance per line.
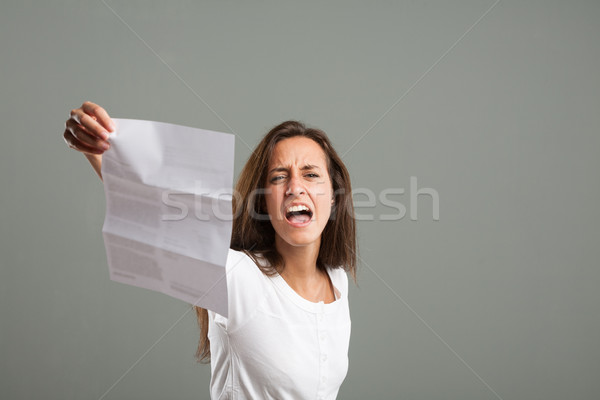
[304, 168]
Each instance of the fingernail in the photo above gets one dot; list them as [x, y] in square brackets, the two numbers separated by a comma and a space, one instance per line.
[105, 146]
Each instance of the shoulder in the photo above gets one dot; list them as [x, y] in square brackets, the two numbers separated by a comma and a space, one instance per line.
[246, 286]
[339, 278]
[239, 263]
[242, 271]
[235, 256]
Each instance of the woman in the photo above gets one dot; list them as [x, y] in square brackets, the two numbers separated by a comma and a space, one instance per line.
[288, 328]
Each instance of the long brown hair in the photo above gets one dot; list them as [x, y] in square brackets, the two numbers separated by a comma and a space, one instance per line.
[252, 230]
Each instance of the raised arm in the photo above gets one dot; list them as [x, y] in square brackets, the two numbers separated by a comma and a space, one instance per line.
[87, 131]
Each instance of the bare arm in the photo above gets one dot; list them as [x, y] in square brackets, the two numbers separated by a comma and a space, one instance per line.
[96, 161]
[87, 131]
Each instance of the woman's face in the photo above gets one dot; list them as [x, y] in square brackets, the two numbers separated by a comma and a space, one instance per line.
[298, 191]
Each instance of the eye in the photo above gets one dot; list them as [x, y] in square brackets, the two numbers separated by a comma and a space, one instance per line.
[277, 178]
[312, 175]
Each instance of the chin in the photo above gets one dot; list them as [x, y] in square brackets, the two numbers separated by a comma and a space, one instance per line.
[298, 239]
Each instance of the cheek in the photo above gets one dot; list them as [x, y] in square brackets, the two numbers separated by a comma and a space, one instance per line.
[329, 207]
[324, 202]
[272, 202]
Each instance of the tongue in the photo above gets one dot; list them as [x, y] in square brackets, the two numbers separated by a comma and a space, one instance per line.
[299, 218]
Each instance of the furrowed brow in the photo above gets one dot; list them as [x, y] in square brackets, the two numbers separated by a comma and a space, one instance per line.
[309, 167]
[278, 169]
[306, 167]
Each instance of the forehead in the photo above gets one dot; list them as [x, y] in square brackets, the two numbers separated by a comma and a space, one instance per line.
[298, 150]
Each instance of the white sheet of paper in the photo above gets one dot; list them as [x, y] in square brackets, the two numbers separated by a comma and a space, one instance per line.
[168, 209]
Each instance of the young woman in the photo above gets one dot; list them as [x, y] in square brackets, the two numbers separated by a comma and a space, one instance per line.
[293, 240]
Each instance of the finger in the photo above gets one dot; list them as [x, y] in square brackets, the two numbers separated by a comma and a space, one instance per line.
[83, 135]
[76, 144]
[86, 137]
[101, 115]
[89, 123]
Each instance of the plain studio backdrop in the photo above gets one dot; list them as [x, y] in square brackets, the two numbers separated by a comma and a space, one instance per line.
[492, 108]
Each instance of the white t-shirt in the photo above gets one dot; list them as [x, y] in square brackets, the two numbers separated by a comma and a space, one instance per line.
[275, 344]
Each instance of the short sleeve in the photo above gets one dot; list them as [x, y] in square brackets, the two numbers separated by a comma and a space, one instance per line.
[246, 288]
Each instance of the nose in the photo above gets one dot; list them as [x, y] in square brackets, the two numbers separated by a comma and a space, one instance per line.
[295, 187]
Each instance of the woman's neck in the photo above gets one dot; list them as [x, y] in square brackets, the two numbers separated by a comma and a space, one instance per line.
[301, 272]
[300, 261]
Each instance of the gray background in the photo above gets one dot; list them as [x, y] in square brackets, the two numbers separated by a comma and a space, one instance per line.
[497, 110]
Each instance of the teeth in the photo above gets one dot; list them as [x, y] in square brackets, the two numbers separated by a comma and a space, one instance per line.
[297, 208]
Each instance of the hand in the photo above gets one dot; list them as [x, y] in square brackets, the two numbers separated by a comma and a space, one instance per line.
[88, 128]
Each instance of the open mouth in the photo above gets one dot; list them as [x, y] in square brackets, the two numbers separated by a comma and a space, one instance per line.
[298, 214]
